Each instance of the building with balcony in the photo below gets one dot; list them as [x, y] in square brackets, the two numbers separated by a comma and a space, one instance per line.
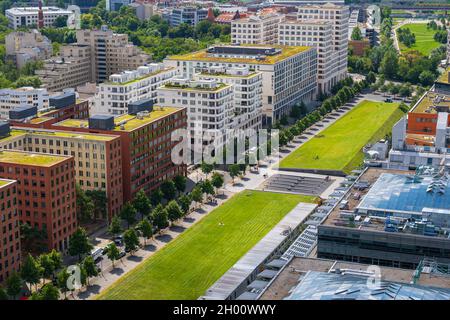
[113, 96]
[25, 96]
[256, 29]
[289, 73]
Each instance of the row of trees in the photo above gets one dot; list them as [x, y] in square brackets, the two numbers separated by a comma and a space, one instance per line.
[343, 92]
[406, 37]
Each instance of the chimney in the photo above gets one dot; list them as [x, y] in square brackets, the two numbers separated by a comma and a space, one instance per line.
[40, 16]
[211, 16]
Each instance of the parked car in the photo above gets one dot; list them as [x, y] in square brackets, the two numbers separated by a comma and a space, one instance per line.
[388, 99]
[97, 253]
[122, 254]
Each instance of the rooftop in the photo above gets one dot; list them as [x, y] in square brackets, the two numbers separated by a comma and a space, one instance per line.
[347, 286]
[431, 100]
[203, 55]
[30, 158]
[68, 134]
[130, 122]
[34, 10]
[444, 76]
[298, 267]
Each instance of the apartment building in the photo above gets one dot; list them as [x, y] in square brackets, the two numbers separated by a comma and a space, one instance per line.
[25, 96]
[338, 15]
[145, 141]
[97, 158]
[45, 193]
[247, 92]
[23, 47]
[422, 137]
[210, 109]
[289, 73]
[113, 96]
[318, 34]
[28, 16]
[9, 230]
[71, 69]
[115, 5]
[188, 15]
[110, 53]
[256, 29]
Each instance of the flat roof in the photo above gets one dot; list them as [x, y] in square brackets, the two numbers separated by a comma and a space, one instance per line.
[242, 269]
[151, 74]
[5, 182]
[131, 122]
[431, 100]
[444, 76]
[30, 158]
[203, 55]
[295, 270]
[68, 134]
[170, 86]
[404, 193]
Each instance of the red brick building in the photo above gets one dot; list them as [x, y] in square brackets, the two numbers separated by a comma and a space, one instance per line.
[9, 229]
[46, 196]
[145, 146]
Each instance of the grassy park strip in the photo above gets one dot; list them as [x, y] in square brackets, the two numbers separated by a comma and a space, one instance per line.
[339, 146]
[190, 264]
[425, 42]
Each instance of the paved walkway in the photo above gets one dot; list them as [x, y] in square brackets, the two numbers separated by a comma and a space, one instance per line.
[250, 181]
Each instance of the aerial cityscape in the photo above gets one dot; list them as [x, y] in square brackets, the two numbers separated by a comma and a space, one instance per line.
[241, 150]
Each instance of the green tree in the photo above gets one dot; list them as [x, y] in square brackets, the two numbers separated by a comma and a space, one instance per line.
[61, 280]
[160, 217]
[13, 285]
[426, 78]
[197, 194]
[31, 271]
[207, 187]
[48, 292]
[3, 294]
[60, 22]
[389, 64]
[168, 189]
[234, 169]
[156, 197]
[146, 229]
[356, 34]
[115, 226]
[100, 201]
[130, 240]
[112, 252]
[90, 267]
[185, 203]
[180, 183]
[206, 168]
[142, 204]
[57, 260]
[217, 180]
[128, 213]
[84, 205]
[174, 211]
[371, 77]
[79, 243]
[48, 267]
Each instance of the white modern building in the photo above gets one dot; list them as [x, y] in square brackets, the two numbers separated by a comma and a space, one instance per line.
[210, 110]
[22, 47]
[28, 16]
[318, 34]
[289, 73]
[256, 29]
[25, 96]
[247, 91]
[339, 16]
[188, 15]
[113, 96]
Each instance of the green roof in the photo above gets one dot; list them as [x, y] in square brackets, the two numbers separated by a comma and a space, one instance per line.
[138, 79]
[444, 76]
[219, 86]
[30, 158]
[4, 182]
[75, 135]
[132, 122]
[202, 55]
[12, 134]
